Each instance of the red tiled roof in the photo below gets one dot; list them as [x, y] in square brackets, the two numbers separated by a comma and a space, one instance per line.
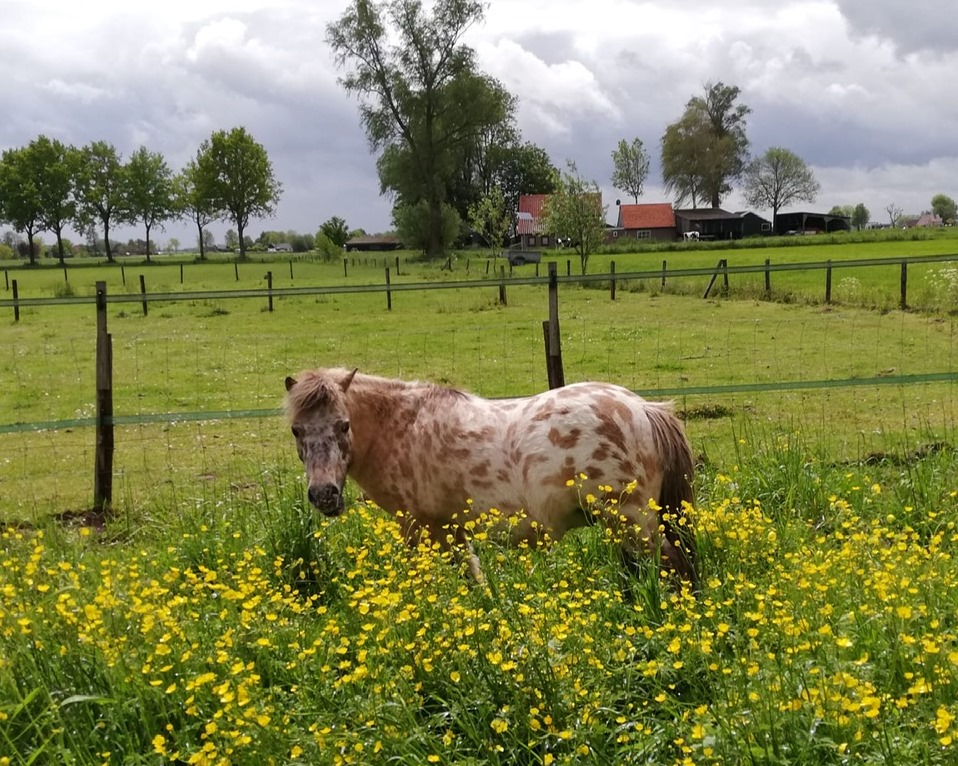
[655, 215]
[531, 205]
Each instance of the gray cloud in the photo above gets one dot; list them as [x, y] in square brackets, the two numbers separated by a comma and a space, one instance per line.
[857, 89]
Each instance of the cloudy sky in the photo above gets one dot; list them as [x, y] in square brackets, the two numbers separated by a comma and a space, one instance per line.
[863, 90]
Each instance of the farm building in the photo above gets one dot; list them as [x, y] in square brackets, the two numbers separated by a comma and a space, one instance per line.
[530, 222]
[530, 228]
[652, 221]
[924, 221]
[715, 223]
[372, 244]
[810, 223]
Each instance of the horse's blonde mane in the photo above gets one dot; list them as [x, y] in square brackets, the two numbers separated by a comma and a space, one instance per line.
[316, 387]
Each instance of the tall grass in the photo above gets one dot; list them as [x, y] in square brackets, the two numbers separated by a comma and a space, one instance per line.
[237, 628]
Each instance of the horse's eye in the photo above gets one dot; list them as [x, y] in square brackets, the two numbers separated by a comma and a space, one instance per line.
[344, 427]
[297, 431]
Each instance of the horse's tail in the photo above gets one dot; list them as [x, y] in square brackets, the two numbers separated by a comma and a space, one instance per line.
[678, 467]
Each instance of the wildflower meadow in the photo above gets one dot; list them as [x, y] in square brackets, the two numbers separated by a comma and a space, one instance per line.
[238, 629]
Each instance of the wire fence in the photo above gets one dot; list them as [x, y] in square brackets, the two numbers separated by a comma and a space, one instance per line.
[198, 385]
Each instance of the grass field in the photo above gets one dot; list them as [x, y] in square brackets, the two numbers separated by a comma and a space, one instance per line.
[214, 620]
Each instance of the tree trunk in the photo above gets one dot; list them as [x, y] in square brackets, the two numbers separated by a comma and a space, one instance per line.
[202, 244]
[435, 247]
[242, 240]
[33, 252]
[106, 241]
[59, 233]
[147, 243]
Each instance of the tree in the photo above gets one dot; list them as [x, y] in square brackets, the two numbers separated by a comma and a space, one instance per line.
[490, 219]
[777, 179]
[56, 165]
[894, 214]
[575, 211]
[231, 239]
[234, 175]
[22, 205]
[842, 210]
[707, 148]
[414, 225]
[860, 216]
[191, 204]
[630, 164]
[336, 230]
[944, 207]
[150, 193]
[101, 190]
[422, 100]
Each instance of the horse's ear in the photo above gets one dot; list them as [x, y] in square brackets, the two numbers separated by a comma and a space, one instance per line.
[290, 382]
[348, 379]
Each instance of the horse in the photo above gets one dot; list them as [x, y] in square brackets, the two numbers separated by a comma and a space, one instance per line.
[428, 453]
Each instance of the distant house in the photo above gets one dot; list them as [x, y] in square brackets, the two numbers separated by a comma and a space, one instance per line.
[714, 223]
[810, 223]
[651, 221]
[531, 228]
[372, 244]
[530, 225]
[927, 221]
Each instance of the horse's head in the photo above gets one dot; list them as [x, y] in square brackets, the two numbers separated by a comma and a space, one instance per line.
[316, 405]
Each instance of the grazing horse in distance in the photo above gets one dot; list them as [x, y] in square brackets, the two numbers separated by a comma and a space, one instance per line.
[429, 453]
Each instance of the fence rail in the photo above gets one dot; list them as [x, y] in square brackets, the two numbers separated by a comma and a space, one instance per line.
[389, 287]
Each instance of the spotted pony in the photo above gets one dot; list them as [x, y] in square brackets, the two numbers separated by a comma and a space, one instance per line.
[427, 453]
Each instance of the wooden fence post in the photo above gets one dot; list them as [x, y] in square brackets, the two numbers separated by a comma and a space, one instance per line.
[6, 279]
[721, 267]
[181, 273]
[103, 453]
[768, 278]
[397, 266]
[290, 268]
[612, 269]
[269, 289]
[389, 293]
[143, 293]
[550, 331]
[904, 285]
[568, 267]
[65, 277]
[16, 302]
[236, 270]
[345, 267]
[828, 281]
[502, 285]
[123, 275]
[665, 266]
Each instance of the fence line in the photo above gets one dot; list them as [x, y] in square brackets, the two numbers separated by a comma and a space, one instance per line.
[498, 282]
[667, 392]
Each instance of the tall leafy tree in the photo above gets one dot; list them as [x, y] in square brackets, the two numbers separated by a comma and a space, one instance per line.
[944, 207]
[422, 100]
[193, 206]
[575, 211]
[150, 191]
[56, 164]
[491, 219]
[777, 179]
[234, 174]
[336, 230]
[630, 167]
[101, 190]
[860, 216]
[20, 197]
[706, 150]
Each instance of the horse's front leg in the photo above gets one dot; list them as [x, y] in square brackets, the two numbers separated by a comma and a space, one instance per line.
[452, 538]
[641, 530]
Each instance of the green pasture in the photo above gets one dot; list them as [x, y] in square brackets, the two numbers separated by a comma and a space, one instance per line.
[185, 373]
[212, 619]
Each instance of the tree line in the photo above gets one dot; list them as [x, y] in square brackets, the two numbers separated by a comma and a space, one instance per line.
[50, 186]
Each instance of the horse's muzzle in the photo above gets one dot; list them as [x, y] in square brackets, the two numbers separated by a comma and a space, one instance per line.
[327, 499]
